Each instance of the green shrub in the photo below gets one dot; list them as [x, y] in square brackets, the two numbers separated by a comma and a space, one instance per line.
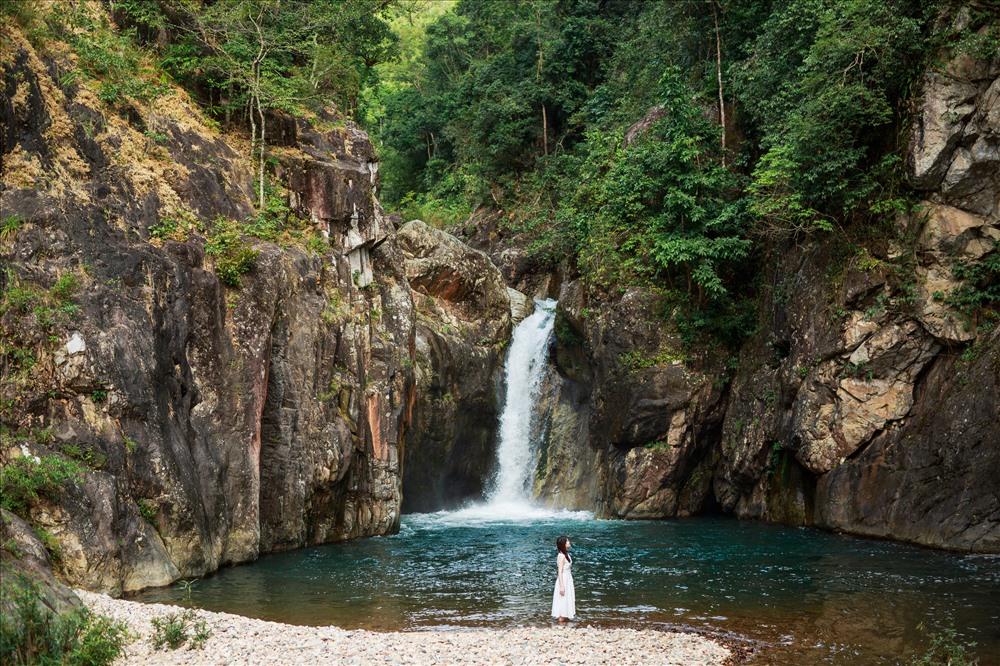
[233, 256]
[200, 634]
[171, 631]
[32, 634]
[9, 226]
[147, 509]
[65, 287]
[19, 298]
[113, 59]
[980, 285]
[88, 454]
[24, 480]
[178, 227]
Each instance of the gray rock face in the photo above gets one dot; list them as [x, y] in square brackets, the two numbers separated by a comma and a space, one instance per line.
[23, 557]
[932, 479]
[217, 423]
[852, 410]
[626, 423]
[955, 143]
[463, 312]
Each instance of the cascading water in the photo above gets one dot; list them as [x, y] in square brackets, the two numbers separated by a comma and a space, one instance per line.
[509, 495]
[524, 370]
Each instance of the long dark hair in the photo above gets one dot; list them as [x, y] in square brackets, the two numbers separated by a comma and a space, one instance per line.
[561, 546]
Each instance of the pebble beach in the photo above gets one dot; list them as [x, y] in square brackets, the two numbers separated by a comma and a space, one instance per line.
[241, 640]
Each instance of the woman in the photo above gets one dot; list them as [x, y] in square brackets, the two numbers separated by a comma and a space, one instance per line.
[564, 596]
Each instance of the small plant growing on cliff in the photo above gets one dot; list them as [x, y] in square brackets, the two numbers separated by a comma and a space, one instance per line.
[147, 509]
[177, 227]
[334, 310]
[65, 287]
[316, 244]
[658, 445]
[19, 298]
[50, 543]
[87, 454]
[979, 288]
[9, 226]
[636, 360]
[28, 478]
[859, 370]
[233, 257]
[32, 634]
[171, 631]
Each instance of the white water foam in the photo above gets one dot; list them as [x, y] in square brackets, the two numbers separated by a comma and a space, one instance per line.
[509, 497]
[484, 514]
[524, 370]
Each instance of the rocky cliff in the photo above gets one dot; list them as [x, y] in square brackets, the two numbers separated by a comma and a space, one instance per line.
[866, 400]
[189, 381]
[223, 395]
[463, 313]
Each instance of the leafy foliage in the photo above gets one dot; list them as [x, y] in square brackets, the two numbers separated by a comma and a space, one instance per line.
[173, 630]
[662, 209]
[525, 107]
[232, 254]
[9, 225]
[980, 285]
[821, 85]
[295, 55]
[147, 509]
[26, 479]
[947, 648]
[32, 634]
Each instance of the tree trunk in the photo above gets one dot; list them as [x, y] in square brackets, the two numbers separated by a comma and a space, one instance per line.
[255, 95]
[253, 128]
[263, 144]
[718, 76]
[545, 131]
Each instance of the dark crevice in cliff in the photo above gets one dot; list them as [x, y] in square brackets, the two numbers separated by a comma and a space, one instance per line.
[273, 460]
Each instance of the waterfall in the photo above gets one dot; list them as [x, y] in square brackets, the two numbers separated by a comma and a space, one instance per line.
[524, 370]
[509, 495]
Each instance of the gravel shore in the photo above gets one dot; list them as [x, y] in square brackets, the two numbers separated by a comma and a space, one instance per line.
[242, 640]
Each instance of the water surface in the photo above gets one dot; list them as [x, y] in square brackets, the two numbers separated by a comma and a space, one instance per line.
[814, 597]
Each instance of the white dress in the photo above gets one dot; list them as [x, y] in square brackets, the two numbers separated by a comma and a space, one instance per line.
[564, 605]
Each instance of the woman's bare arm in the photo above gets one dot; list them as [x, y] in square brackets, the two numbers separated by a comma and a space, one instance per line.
[561, 560]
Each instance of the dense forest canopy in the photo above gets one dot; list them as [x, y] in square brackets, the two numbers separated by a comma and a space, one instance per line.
[759, 120]
[524, 106]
